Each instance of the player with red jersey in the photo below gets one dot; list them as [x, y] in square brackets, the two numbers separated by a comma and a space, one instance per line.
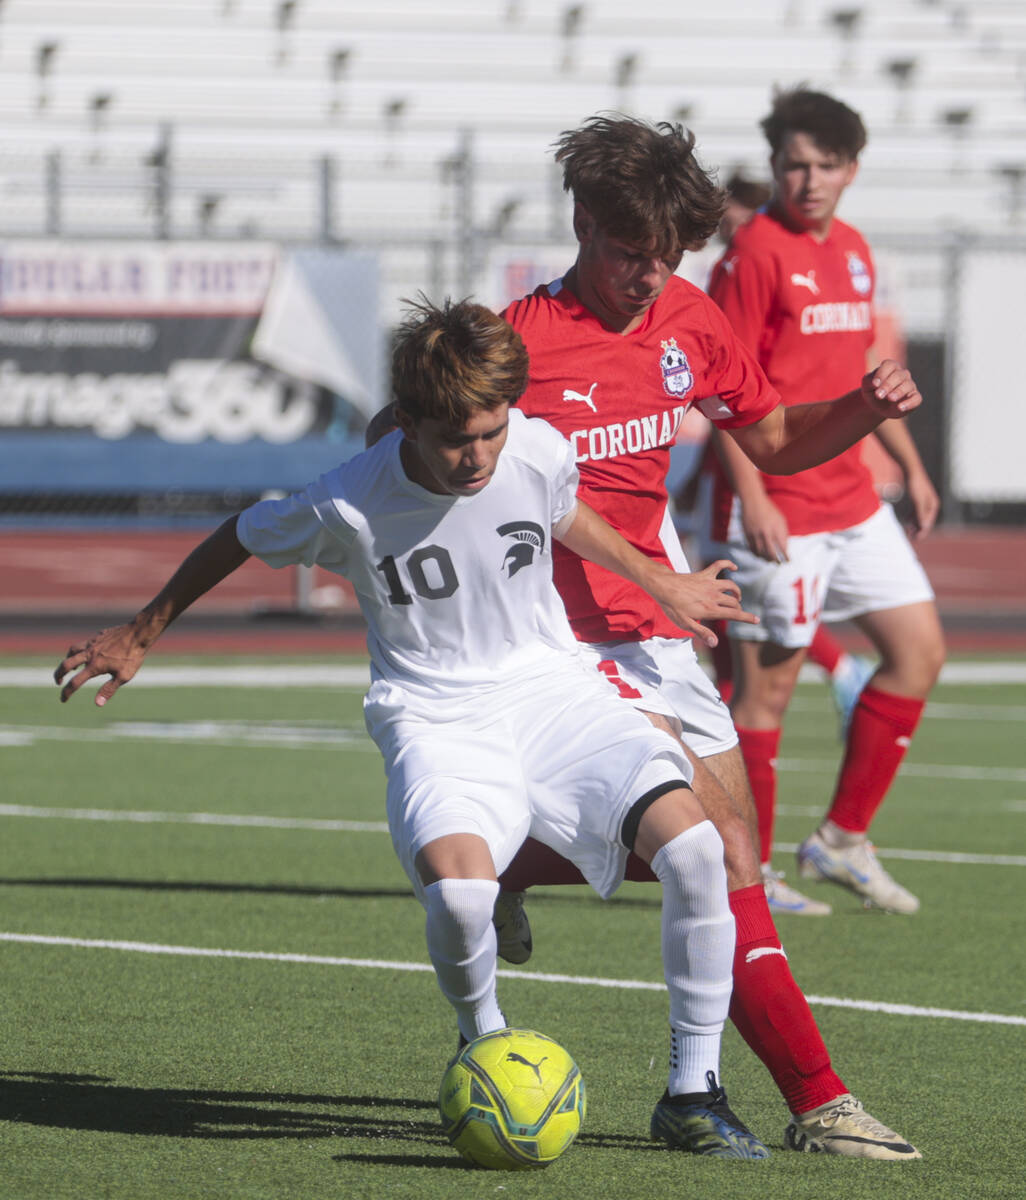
[619, 348]
[620, 401]
[797, 285]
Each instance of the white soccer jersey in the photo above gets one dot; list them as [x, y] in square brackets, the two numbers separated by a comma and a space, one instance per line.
[456, 590]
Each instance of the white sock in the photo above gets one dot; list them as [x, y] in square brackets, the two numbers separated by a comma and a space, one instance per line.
[698, 952]
[837, 838]
[692, 1057]
[461, 944]
[844, 665]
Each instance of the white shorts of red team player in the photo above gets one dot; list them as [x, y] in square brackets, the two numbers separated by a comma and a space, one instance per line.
[663, 675]
[828, 577]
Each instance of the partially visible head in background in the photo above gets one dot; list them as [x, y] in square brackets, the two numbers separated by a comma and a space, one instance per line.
[744, 199]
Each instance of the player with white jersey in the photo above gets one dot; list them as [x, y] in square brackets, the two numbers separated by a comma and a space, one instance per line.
[491, 725]
[619, 348]
[797, 284]
[438, 576]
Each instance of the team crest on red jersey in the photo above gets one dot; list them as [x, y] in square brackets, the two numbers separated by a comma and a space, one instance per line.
[861, 280]
[677, 377]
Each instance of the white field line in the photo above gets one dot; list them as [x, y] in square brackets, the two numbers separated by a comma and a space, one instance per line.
[322, 960]
[191, 818]
[267, 735]
[937, 710]
[937, 856]
[256, 675]
[333, 826]
[916, 770]
[270, 735]
[284, 675]
[816, 810]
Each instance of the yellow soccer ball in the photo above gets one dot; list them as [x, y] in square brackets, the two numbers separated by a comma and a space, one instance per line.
[512, 1100]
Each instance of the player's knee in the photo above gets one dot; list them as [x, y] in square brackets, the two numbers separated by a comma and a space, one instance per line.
[762, 707]
[915, 670]
[692, 863]
[936, 656]
[659, 815]
[459, 911]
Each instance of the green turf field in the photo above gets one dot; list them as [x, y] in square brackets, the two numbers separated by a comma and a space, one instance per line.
[215, 984]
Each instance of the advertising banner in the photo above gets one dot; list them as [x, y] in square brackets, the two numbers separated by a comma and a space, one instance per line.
[212, 367]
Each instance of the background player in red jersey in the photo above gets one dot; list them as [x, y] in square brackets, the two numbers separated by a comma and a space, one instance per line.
[619, 348]
[797, 285]
[846, 673]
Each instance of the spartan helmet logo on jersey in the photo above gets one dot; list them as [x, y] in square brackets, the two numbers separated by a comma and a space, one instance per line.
[527, 538]
[861, 280]
[677, 377]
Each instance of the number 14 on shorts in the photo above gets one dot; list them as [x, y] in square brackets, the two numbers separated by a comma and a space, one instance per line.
[808, 600]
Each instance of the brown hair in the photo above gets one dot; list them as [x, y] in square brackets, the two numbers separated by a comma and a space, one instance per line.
[451, 361]
[831, 124]
[752, 193]
[642, 183]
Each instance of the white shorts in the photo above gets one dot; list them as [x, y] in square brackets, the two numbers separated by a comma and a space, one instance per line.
[663, 675]
[558, 757]
[828, 577]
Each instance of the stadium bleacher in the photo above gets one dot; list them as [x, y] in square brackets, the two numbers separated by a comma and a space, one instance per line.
[402, 125]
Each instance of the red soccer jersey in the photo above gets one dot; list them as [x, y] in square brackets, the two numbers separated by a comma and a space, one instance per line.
[619, 399]
[805, 309]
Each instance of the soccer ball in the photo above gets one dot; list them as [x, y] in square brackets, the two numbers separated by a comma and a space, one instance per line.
[512, 1100]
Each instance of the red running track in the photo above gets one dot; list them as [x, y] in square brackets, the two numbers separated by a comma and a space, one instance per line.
[70, 579]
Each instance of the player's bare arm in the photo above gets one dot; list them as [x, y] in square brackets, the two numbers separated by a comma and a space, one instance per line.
[897, 441]
[789, 440]
[119, 652]
[765, 526]
[687, 599]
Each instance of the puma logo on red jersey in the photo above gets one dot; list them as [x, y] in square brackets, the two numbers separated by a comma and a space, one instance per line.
[570, 394]
[806, 281]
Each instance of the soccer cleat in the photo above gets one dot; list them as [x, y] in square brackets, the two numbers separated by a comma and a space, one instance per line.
[512, 928]
[844, 1127]
[855, 867]
[702, 1123]
[784, 899]
[853, 672]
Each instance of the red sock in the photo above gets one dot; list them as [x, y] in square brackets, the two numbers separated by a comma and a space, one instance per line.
[759, 750]
[722, 661]
[770, 1012]
[825, 651]
[881, 728]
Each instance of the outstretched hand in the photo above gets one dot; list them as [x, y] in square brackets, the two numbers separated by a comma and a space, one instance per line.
[115, 652]
[890, 390]
[690, 599]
